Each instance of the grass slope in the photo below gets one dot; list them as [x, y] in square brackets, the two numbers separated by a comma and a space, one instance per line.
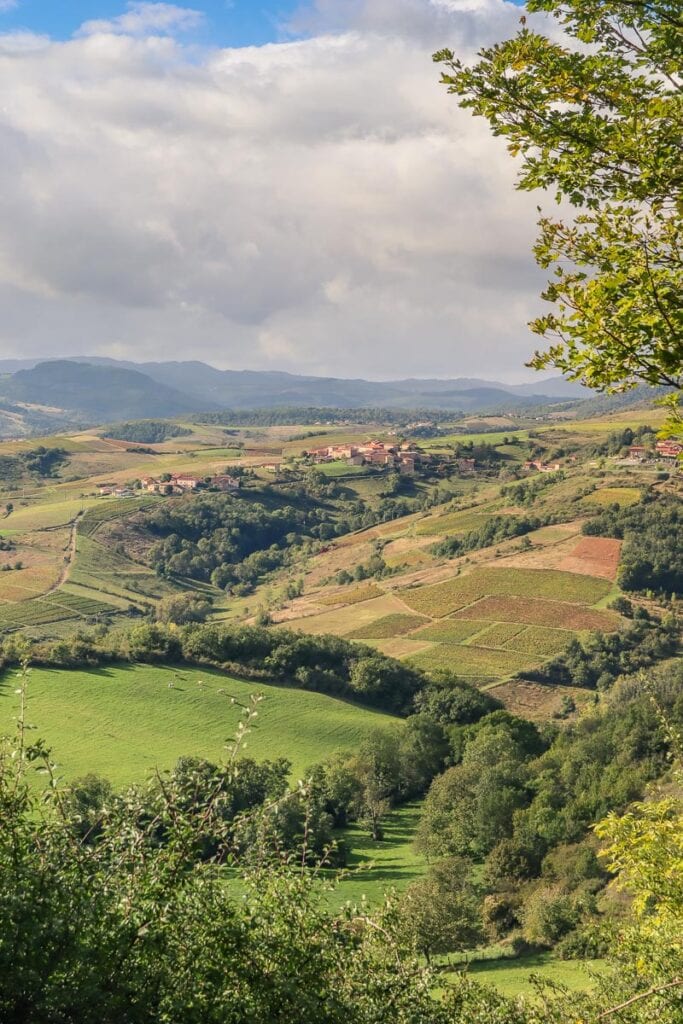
[374, 868]
[123, 721]
[514, 977]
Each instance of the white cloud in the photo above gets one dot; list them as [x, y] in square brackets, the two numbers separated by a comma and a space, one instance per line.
[8, 5]
[144, 17]
[319, 205]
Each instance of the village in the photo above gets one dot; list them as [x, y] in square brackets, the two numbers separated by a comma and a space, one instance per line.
[171, 483]
[405, 457]
[662, 450]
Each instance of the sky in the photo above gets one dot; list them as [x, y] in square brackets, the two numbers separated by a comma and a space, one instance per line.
[259, 185]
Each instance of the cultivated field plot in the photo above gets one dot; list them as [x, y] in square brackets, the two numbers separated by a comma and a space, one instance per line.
[56, 607]
[77, 604]
[497, 635]
[354, 595]
[594, 556]
[538, 640]
[547, 584]
[388, 626]
[449, 631]
[614, 495]
[453, 523]
[482, 664]
[346, 619]
[442, 598]
[536, 612]
[123, 722]
[112, 509]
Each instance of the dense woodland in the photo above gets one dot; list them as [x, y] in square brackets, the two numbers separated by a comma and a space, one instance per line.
[147, 431]
[39, 461]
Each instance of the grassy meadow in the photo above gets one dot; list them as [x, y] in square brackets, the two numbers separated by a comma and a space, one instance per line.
[124, 721]
[519, 977]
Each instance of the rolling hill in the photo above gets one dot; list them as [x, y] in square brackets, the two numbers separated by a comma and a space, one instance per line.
[95, 389]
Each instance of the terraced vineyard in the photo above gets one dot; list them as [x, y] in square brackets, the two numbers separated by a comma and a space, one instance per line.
[482, 624]
[112, 509]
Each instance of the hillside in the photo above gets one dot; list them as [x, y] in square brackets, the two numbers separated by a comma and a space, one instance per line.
[96, 389]
[123, 722]
[97, 393]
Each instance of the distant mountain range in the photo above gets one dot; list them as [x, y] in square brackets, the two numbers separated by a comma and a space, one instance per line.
[96, 390]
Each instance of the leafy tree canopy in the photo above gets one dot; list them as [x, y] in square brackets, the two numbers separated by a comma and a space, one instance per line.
[596, 115]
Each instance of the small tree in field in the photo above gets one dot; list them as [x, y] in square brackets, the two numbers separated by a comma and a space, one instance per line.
[442, 912]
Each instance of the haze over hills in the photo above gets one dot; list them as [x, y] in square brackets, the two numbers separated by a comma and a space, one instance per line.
[97, 389]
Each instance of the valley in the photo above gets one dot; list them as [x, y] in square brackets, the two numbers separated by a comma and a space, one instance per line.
[358, 602]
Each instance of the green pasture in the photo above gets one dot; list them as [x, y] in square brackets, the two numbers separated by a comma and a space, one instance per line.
[623, 496]
[374, 868]
[495, 437]
[124, 721]
[340, 468]
[514, 978]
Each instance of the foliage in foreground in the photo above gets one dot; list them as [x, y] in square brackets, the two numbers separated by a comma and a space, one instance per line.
[593, 109]
[126, 929]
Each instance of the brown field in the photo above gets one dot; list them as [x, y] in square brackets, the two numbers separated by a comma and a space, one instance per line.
[594, 556]
[399, 647]
[537, 612]
[341, 621]
[534, 701]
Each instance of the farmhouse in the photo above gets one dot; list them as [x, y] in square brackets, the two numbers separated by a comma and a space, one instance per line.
[225, 483]
[637, 453]
[466, 465]
[186, 482]
[542, 467]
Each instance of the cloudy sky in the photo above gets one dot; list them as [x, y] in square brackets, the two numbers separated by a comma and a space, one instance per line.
[260, 185]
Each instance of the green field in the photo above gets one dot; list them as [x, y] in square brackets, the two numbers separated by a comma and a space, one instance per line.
[450, 631]
[340, 468]
[452, 523]
[123, 721]
[375, 868]
[623, 496]
[481, 664]
[514, 977]
[388, 626]
[495, 437]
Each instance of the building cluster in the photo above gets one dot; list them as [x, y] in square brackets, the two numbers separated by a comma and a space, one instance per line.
[542, 467]
[178, 483]
[403, 457]
[662, 450]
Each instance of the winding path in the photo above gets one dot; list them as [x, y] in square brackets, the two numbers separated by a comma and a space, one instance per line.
[68, 558]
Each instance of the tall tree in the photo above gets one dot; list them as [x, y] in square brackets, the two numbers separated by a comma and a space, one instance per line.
[595, 111]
